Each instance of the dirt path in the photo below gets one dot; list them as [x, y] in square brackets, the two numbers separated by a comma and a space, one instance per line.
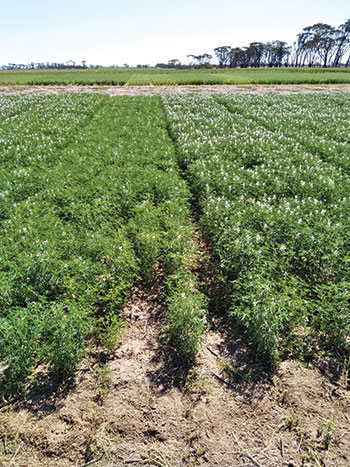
[150, 90]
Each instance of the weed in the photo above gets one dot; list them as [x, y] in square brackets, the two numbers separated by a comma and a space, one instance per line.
[110, 329]
[96, 444]
[155, 457]
[232, 373]
[195, 384]
[291, 422]
[103, 381]
[326, 432]
[10, 446]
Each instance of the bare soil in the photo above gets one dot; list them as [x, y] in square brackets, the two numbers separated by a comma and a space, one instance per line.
[139, 406]
[150, 90]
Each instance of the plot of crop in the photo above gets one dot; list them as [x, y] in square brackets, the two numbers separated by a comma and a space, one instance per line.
[163, 76]
[271, 176]
[90, 199]
[95, 192]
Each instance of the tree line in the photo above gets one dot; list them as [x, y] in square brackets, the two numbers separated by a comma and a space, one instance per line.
[49, 65]
[316, 45]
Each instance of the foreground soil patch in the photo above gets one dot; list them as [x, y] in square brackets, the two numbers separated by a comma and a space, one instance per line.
[139, 406]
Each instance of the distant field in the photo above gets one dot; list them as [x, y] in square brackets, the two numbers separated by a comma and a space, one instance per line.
[136, 76]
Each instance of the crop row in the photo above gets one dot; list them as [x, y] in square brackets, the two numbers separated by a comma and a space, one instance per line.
[277, 215]
[91, 199]
[320, 124]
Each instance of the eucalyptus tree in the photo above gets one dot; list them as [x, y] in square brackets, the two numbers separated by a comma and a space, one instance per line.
[277, 53]
[342, 42]
[256, 51]
[200, 60]
[223, 55]
[306, 47]
[174, 63]
[325, 37]
[319, 43]
[236, 57]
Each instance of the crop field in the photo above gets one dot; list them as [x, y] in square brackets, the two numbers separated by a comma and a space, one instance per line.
[271, 177]
[158, 76]
[91, 198]
[96, 192]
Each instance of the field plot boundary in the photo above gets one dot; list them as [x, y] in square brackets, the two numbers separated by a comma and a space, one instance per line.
[152, 90]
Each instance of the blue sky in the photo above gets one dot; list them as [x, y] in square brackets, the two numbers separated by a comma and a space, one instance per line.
[108, 32]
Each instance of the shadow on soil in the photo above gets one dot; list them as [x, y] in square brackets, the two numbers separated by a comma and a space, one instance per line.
[168, 371]
[46, 392]
[225, 354]
[44, 395]
[241, 372]
[225, 357]
[331, 368]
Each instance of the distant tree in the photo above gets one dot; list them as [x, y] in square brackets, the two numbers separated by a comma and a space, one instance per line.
[342, 42]
[126, 65]
[70, 64]
[201, 60]
[174, 63]
[325, 37]
[223, 55]
[256, 53]
[317, 44]
[236, 57]
[205, 59]
[276, 53]
[306, 48]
